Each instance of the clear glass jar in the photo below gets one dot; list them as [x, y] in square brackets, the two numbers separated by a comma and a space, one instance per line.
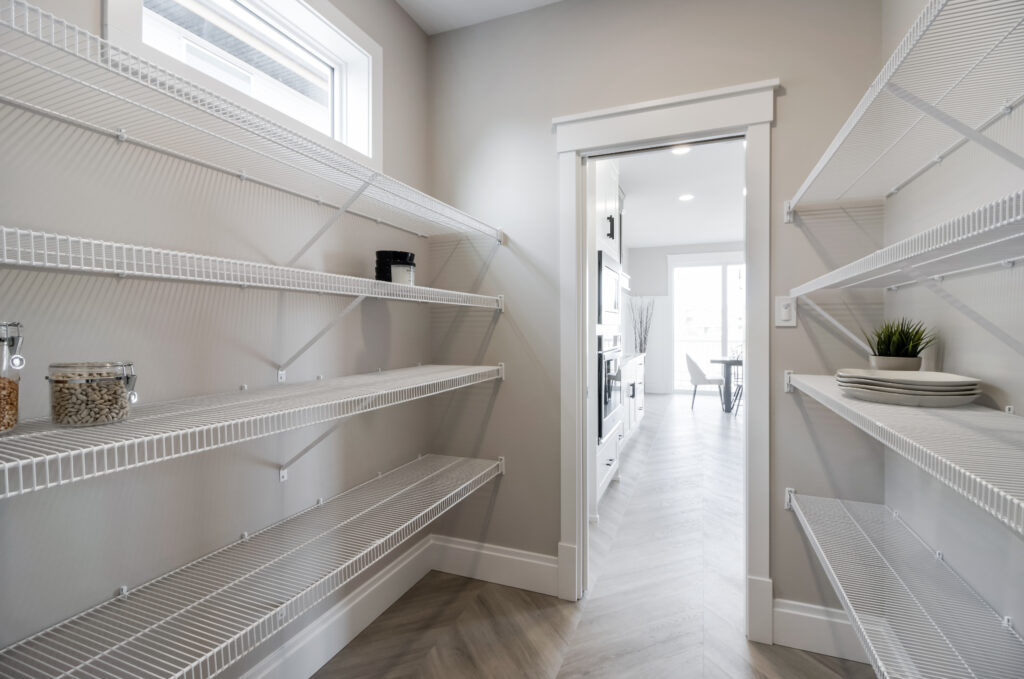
[86, 394]
[11, 363]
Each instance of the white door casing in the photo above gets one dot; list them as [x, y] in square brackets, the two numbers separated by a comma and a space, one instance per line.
[746, 110]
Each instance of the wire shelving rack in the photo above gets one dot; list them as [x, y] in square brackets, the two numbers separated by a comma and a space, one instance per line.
[56, 252]
[913, 614]
[39, 455]
[958, 71]
[57, 70]
[990, 235]
[976, 451]
[199, 619]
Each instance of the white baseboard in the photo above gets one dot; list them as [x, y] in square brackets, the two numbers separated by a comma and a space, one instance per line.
[306, 652]
[816, 629]
[500, 565]
[568, 585]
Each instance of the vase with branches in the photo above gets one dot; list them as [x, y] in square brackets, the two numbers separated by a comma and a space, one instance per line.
[641, 312]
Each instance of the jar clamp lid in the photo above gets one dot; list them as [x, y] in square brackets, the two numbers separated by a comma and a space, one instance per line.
[10, 337]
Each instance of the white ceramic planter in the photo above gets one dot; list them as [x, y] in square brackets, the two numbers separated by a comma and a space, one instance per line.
[895, 362]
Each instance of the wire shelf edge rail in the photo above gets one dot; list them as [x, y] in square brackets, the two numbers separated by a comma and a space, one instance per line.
[202, 617]
[912, 613]
[888, 141]
[222, 123]
[971, 449]
[72, 254]
[955, 245]
[37, 455]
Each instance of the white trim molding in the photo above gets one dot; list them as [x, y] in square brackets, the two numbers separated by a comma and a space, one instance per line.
[306, 652]
[743, 110]
[816, 629]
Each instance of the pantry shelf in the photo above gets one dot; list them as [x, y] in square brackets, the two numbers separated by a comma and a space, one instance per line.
[976, 451]
[990, 235]
[55, 252]
[952, 78]
[199, 619]
[57, 70]
[915, 616]
[39, 455]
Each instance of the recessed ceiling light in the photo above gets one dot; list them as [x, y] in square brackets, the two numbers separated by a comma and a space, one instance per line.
[680, 150]
[744, 190]
[686, 196]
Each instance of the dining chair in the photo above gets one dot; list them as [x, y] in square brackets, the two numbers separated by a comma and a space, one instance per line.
[699, 379]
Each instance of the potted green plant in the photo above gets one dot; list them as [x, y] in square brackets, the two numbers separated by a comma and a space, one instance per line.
[897, 345]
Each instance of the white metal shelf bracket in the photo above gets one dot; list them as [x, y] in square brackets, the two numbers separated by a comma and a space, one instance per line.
[335, 218]
[501, 372]
[501, 465]
[281, 369]
[312, 444]
[787, 214]
[957, 126]
[839, 326]
[788, 384]
[788, 504]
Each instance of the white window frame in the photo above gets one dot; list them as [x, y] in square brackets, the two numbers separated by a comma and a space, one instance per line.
[122, 25]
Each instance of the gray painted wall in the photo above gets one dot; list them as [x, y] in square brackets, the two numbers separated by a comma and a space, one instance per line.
[496, 88]
[69, 548]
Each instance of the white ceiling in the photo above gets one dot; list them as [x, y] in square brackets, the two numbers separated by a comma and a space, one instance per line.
[712, 173]
[438, 16]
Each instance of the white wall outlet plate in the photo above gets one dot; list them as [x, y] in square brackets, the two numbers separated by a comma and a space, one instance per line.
[785, 312]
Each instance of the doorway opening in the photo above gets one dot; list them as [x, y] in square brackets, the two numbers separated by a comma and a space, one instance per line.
[745, 112]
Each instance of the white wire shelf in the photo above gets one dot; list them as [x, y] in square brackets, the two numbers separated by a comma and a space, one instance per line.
[990, 235]
[55, 69]
[199, 619]
[976, 451]
[915, 617]
[38, 455]
[962, 57]
[55, 252]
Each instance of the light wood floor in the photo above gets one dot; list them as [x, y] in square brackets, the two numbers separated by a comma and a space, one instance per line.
[667, 602]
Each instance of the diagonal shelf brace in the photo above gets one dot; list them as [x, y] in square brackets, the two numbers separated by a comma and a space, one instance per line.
[312, 444]
[957, 126]
[316, 338]
[335, 218]
[839, 326]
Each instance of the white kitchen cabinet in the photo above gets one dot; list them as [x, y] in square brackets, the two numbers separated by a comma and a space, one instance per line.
[608, 211]
[632, 393]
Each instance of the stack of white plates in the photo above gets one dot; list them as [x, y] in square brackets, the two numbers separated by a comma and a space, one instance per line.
[909, 388]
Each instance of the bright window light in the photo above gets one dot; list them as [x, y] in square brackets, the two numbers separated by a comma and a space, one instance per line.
[279, 52]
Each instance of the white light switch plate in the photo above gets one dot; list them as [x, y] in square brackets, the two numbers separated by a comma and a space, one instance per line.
[785, 312]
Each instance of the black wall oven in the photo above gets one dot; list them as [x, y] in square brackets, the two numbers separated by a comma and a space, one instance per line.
[609, 383]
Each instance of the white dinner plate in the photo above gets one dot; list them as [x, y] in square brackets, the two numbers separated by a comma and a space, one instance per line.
[909, 399]
[892, 389]
[909, 377]
[938, 391]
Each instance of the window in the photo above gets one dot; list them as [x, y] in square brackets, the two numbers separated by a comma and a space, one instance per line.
[280, 52]
[709, 312]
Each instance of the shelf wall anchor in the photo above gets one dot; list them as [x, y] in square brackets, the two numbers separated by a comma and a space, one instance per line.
[788, 504]
[787, 383]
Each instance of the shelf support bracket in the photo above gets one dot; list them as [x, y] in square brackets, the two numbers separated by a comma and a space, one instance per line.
[313, 444]
[335, 218]
[839, 326]
[957, 126]
[281, 369]
[788, 381]
[789, 499]
[787, 212]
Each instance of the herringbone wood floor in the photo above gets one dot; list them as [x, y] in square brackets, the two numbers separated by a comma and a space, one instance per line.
[667, 603]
